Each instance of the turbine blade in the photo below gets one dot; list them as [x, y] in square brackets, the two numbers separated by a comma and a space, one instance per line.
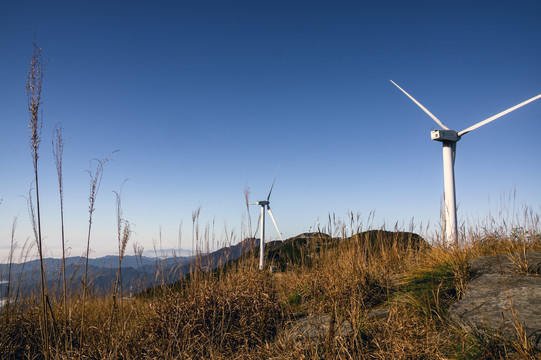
[268, 197]
[422, 107]
[492, 118]
[274, 221]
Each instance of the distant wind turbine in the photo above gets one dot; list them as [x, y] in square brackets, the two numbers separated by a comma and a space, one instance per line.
[263, 204]
[449, 138]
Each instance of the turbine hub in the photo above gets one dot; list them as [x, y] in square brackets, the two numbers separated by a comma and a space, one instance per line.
[444, 135]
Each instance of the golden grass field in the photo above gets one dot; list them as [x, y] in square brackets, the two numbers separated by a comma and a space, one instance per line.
[239, 312]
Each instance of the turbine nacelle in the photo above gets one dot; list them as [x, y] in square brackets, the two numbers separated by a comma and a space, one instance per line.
[444, 135]
[262, 203]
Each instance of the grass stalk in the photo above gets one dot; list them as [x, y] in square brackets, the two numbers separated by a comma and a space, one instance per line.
[123, 235]
[58, 152]
[33, 90]
[95, 182]
[10, 265]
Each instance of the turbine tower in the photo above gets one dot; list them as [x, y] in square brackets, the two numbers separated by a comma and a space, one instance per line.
[449, 138]
[263, 204]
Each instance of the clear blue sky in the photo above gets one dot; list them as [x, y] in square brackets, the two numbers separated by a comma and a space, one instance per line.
[203, 98]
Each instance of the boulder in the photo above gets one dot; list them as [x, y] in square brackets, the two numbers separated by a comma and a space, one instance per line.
[504, 292]
[314, 328]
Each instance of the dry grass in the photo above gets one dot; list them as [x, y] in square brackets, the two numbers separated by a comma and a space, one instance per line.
[241, 312]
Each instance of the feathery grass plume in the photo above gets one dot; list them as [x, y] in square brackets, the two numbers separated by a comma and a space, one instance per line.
[33, 92]
[138, 250]
[123, 234]
[195, 239]
[195, 229]
[31, 213]
[125, 237]
[58, 152]
[96, 175]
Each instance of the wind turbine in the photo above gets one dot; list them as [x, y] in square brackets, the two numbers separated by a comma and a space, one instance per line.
[449, 138]
[263, 204]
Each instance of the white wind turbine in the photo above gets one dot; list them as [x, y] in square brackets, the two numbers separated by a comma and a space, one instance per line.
[449, 138]
[263, 204]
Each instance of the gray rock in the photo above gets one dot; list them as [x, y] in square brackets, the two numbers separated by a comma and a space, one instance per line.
[504, 291]
[507, 264]
[316, 328]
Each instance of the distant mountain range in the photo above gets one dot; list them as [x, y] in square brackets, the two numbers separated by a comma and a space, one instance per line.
[144, 272]
[138, 272]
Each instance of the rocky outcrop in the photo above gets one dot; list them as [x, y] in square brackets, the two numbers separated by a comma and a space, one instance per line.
[315, 328]
[504, 295]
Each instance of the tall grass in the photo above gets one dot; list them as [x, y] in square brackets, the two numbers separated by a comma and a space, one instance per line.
[58, 153]
[123, 236]
[10, 265]
[33, 90]
[385, 295]
[96, 175]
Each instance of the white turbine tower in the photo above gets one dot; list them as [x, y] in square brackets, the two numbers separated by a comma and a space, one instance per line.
[449, 138]
[263, 204]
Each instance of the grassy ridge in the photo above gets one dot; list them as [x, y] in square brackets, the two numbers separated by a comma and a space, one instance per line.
[392, 292]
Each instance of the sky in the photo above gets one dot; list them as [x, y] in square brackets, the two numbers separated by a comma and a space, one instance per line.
[202, 99]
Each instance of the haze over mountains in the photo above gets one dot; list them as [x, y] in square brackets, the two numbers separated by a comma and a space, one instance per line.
[138, 271]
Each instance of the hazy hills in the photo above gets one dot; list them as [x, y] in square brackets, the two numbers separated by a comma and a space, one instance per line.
[138, 272]
[143, 272]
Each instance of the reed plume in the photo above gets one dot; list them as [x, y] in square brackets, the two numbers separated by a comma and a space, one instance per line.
[58, 152]
[96, 175]
[33, 91]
